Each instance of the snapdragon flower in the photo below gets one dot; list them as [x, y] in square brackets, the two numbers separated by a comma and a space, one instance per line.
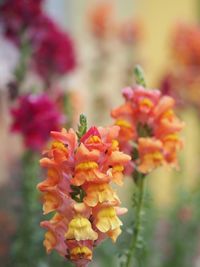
[78, 190]
[149, 128]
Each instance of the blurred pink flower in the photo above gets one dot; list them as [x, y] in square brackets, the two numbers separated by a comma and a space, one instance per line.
[53, 49]
[183, 85]
[34, 118]
[130, 32]
[16, 15]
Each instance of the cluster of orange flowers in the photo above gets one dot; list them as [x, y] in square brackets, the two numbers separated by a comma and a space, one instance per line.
[186, 45]
[183, 81]
[149, 128]
[77, 189]
[103, 24]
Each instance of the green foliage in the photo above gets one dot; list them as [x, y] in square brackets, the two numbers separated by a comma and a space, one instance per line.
[183, 238]
[28, 240]
[21, 70]
[82, 127]
[171, 238]
[68, 109]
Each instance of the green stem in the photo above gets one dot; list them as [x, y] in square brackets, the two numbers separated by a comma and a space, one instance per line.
[138, 221]
[68, 109]
[29, 236]
[25, 53]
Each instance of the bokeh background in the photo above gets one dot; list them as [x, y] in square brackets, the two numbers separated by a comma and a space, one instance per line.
[108, 39]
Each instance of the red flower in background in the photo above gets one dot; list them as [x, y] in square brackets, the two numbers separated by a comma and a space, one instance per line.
[182, 84]
[182, 81]
[16, 15]
[169, 85]
[53, 49]
[34, 118]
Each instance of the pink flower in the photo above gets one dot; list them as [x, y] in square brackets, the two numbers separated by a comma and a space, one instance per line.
[34, 117]
[183, 85]
[51, 49]
[130, 32]
[16, 15]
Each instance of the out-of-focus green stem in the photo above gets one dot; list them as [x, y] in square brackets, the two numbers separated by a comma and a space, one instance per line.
[140, 182]
[27, 247]
[68, 109]
[137, 220]
[25, 51]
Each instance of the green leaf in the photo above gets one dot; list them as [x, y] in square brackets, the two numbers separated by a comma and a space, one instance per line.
[139, 76]
[82, 127]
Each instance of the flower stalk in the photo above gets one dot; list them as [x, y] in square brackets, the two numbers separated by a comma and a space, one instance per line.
[149, 131]
[140, 183]
[25, 53]
[138, 221]
[80, 169]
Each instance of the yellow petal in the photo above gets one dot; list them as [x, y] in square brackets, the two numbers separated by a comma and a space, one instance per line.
[80, 229]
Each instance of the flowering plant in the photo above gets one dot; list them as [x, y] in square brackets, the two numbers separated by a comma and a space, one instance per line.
[81, 167]
[44, 47]
[18, 15]
[182, 82]
[53, 50]
[149, 128]
[149, 132]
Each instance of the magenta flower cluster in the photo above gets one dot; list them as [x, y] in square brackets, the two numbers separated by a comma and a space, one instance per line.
[34, 117]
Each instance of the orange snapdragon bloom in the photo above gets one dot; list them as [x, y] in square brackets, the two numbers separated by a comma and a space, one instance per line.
[150, 154]
[149, 128]
[186, 44]
[101, 19]
[78, 188]
[99, 193]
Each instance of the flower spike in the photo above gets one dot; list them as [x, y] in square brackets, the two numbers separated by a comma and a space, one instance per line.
[149, 132]
[81, 167]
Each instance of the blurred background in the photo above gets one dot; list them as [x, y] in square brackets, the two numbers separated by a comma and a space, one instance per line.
[62, 58]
